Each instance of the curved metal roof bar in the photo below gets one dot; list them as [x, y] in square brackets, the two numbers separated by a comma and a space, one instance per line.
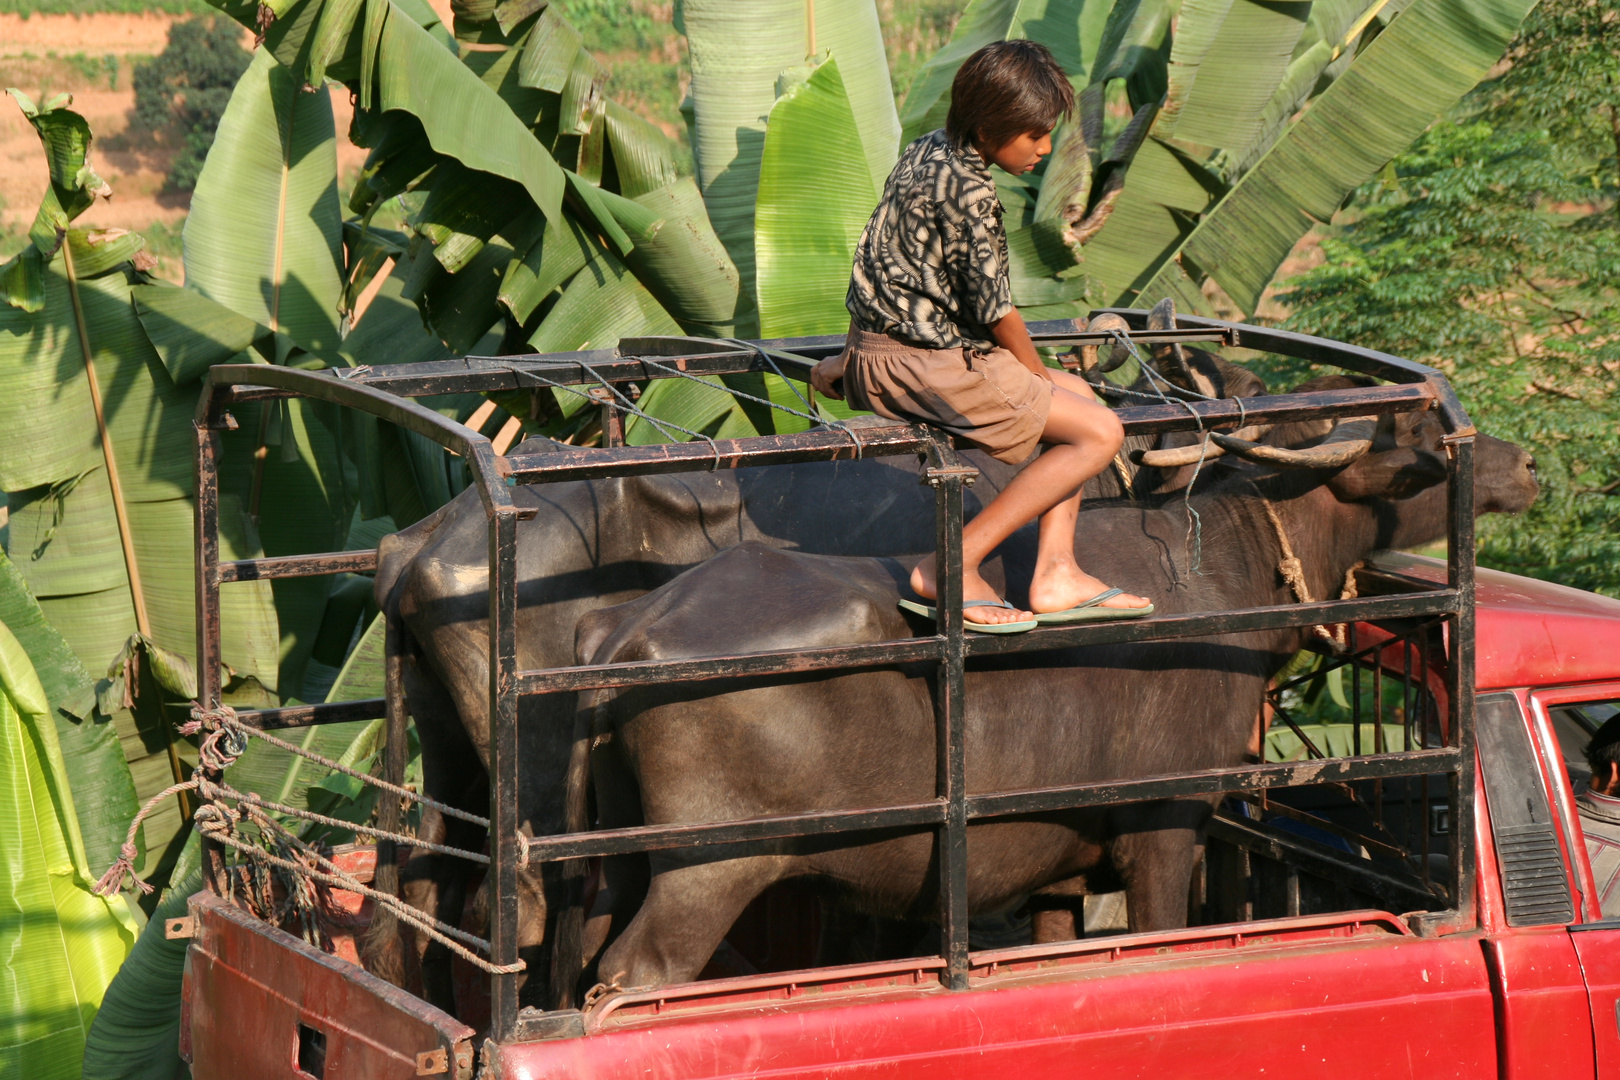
[331, 385]
[1324, 350]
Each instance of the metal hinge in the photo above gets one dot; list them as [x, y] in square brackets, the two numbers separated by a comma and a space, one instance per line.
[183, 927]
[432, 1062]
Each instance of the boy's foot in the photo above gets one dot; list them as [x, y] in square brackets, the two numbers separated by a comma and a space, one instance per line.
[974, 587]
[1060, 587]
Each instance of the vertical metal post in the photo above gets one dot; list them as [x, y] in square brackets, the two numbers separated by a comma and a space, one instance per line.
[948, 477]
[503, 768]
[612, 416]
[1460, 666]
[1356, 718]
[390, 813]
[206, 522]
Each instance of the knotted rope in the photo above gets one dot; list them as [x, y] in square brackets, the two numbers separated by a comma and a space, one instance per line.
[1293, 572]
[302, 865]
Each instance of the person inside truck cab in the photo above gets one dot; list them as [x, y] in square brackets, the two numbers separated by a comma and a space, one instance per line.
[1599, 807]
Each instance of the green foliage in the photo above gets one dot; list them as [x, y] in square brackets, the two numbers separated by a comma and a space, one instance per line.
[1491, 250]
[26, 8]
[188, 86]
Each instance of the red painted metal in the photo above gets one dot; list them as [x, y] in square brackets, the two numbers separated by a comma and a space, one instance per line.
[1530, 633]
[1543, 1025]
[1351, 994]
[1599, 953]
[250, 987]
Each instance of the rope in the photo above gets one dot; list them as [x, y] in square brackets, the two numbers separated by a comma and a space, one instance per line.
[1193, 545]
[302, 864]
[225, 716]
[664, 426]
[815, 421]
[1293, 572]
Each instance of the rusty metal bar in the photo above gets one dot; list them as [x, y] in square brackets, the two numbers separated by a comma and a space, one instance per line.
[605, 842]
[210, 691]
[1242, 620]
[1460, 669]
[948, 476]
[832, 444]
[289, 566]
[1209, 782]
[826, 444]
[780, 826]
[300, 716]
[744, 665]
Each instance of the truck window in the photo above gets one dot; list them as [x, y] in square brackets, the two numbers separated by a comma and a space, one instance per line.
[1574, 725]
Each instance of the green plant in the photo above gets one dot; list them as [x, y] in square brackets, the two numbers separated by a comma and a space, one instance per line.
[187, 87]
[1492, 250]
[62, 942]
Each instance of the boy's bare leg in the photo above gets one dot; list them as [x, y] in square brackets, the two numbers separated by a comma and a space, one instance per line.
[1083, 435]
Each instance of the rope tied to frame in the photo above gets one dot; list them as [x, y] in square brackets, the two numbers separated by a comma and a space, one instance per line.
[278, 856]
[624, 404]
[1292, 570]
[1195, 521]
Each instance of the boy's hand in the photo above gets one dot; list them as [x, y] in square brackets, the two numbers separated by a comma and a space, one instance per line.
[1011, 334]
[827, 377]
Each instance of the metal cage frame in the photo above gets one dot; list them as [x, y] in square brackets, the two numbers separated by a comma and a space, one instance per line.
[385, 393]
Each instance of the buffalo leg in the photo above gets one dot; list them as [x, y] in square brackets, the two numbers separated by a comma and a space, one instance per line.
[1057, 912]
[1154, 849]
[688, 911]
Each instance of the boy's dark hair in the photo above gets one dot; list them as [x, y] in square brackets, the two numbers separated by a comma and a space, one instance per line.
[1604, 749]
[1007, 89]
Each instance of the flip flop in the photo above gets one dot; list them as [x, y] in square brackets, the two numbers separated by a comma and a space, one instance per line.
[1092, 611]
[1020, 627]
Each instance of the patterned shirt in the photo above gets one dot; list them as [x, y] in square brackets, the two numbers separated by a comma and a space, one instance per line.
[931, 265]
[1600, 821]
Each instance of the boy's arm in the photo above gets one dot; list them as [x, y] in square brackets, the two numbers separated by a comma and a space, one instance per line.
[1011, 334]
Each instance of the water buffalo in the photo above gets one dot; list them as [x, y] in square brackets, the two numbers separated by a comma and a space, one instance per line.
[599, 543]
[669, 755]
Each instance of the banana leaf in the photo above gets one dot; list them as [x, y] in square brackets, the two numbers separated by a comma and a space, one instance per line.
[136, 1032]
[70, 534]
[265, 232]
[1068, 27]
[289, 779]
[1416, 69]
[602, 303]
[813, 203]
[685, 266]
[1217, 96]
[737, 51]
[61, 942]
[104, 791]
[848, 31]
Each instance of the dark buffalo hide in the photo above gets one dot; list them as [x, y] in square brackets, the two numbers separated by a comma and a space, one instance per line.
[667, 755]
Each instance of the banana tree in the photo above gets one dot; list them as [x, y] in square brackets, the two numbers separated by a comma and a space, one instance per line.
[63, 943]
[94, 453]
[1273, 114]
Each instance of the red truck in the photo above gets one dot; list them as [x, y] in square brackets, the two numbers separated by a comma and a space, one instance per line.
[1324, 938]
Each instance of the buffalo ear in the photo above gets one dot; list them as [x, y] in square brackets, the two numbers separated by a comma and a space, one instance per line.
[1392, 474]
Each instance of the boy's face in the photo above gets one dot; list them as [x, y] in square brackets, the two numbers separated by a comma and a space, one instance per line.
[1021, 153]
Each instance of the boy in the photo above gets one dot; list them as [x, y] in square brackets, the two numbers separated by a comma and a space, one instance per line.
[934, 337]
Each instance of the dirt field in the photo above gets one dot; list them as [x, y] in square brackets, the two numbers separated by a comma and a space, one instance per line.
[93, 57]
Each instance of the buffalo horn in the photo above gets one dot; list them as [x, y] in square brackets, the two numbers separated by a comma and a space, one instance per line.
[1349, 440]
[1090, 360]
[1177, 456]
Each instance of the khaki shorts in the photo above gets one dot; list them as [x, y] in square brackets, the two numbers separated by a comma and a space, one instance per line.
[988, 399]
